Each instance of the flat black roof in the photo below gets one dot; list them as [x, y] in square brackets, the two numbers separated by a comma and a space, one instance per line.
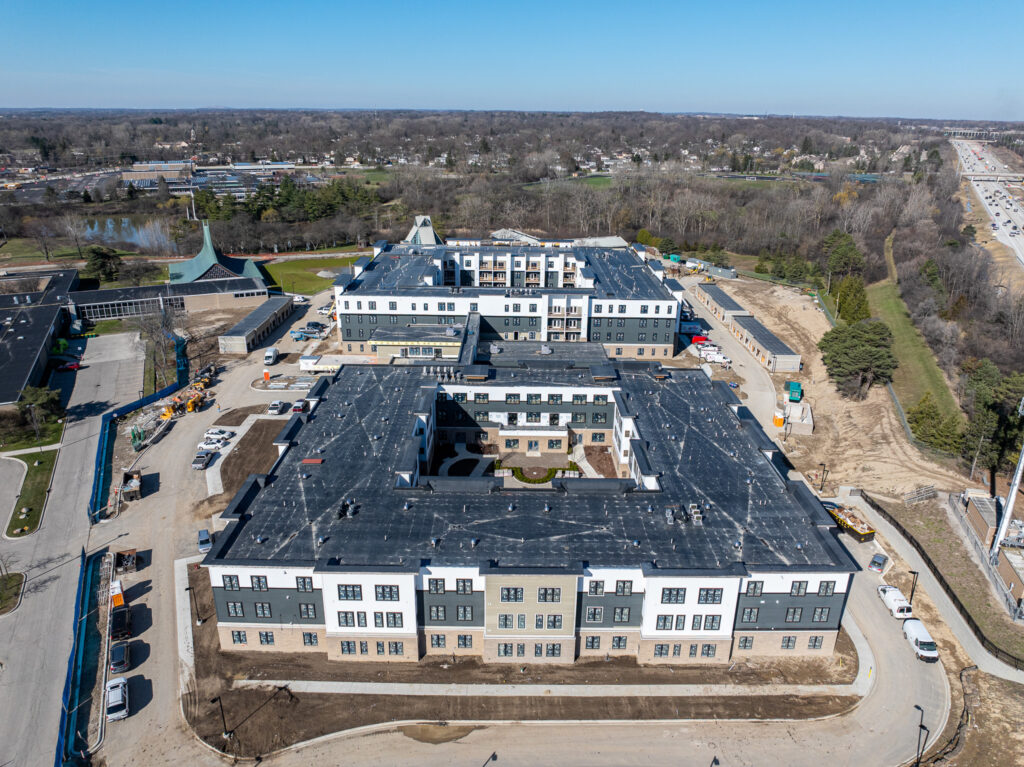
[23, 333]
[720, 297]
[766, 338]
[701, 450]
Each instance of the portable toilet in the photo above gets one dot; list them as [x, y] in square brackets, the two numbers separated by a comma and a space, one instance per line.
[779, 419]
[675, 258]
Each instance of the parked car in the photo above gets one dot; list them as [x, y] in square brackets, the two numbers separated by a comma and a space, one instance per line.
[878, 563]
[120, 658]
[895, 602]
[218, 434]
[300, 406]
[276, 407]
[213, 445]
[205, 541]
[270, 356]
[324, 310]
[121, 623]
[920, 640]
[300, 300]
[202, 460]
[117, 699]
[316, 325]
[71, 366]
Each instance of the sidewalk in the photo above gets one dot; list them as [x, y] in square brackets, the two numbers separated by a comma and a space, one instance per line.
[27, 450]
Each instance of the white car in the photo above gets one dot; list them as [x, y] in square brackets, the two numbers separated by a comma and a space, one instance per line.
[300, 300]
[117, 699]
[213, 445]
[324, 310]
[276, 407]
[218, 434]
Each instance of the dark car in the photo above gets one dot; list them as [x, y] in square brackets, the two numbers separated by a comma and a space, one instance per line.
[120, 658]
[71, 366]
[121, 623]
[300, 406]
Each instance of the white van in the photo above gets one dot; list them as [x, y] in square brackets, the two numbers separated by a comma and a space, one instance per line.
[920, 640]
[270, 356]
[895, 602]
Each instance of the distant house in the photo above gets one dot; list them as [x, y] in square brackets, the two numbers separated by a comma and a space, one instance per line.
[211, 264]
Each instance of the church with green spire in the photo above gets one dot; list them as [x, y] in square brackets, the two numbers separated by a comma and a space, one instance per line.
[211, 264]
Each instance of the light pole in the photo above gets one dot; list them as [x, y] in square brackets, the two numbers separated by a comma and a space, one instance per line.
[913, 585]
[824, 471]
[225, 733]
[195, 604]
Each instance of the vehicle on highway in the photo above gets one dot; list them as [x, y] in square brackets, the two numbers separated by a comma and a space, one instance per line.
[205, 541]
[120, 658]
[70, 366]
[202, 460]
[920, 640]
[277, 407]
[218, 434]
[878, 563]
[270, 356]
[213, 445]
[300, 406]
[895, 602]
[121, 623]
[117, 699]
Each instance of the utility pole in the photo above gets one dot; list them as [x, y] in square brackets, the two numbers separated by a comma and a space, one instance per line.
[1011, 497]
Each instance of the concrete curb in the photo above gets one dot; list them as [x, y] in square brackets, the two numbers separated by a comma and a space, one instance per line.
[46, 499]
[14, 507]
[21, 595]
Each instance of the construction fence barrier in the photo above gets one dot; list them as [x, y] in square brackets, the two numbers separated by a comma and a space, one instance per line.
[67, 723]
[1008, 658]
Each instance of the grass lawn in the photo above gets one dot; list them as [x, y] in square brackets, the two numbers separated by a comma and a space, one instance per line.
[10, 588]
[157, 375]
[23, 250]
[49, 433]
[33, 492]
[299, 276]
[107, 327]
[598, 182]
[918, 371]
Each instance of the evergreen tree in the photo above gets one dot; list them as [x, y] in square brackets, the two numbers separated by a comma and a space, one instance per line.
[858, 355]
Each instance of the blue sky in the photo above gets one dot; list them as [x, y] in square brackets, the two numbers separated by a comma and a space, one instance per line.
[905, 58]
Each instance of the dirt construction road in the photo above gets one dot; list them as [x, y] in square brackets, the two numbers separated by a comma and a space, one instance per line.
[861, 443]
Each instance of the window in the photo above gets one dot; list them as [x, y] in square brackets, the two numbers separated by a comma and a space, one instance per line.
[346, 619]
[597, 308]
[593, 643]
[798, 589]
[307, 610]
[620, 323]
[437, 612]
[554, 444]
[789, 643]
[310, 639]
[378, 620]
[348, 647]
[538, 621]
[712, 622]
[549, 595]
[597, 322]
[521, 620]
[480, 399]
[465, 641]
[794, 614]
[814, 642]
[361, 619]
[266, 637]
[698, 620]
[380, 648]
[474, 307]
[263, 610]
[673, 596]
[553, 650]
[505, 650]
[396, 648]
[393, 306]
[238, 637]
[579, 399]
[235, 610]
[620, 337]
[708, 650]
[664, 623]
[463, 585]
[641, 337]
[533, 417]
[680, 623]
[579, 417]
[554, 399]
[505, 621]
[693, 651]
[749, 615]
[595, 614]
[596, 588]
[618, 643]
[479, 415]
[464, 612]
[435, 585]
[511, 399]
[820, 615]
[259, 583]
[554, 621]
[511, 444]
[459, 396]
[511, 594]
[597, 436]
[599, 418]
[746, 643]
[350, 593]
[709, 597]
[754, 588]
[386, 593]
[230, 582]
[533, 399]
[394, 620]
[661, 651]
[621, 615]
[618, 349]
[623, 588]
[364, 648]
[826, 588]
[303, 583]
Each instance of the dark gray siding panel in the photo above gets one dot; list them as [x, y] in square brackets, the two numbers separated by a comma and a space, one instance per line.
[635, 603]
[284, 605]
[451, 601]
[771, 612]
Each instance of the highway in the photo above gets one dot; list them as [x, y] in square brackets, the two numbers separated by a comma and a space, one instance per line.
[1003, 200]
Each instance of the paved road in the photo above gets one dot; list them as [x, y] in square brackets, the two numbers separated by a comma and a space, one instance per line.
[36, 639]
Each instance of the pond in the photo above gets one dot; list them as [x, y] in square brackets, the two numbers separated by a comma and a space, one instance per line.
[149, 234]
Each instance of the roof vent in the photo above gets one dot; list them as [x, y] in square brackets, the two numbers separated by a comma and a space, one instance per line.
[260, 539]
[511, 507]
[434, 542]
[405, 506]
[473, 542]
[636, 544]
[320, 541]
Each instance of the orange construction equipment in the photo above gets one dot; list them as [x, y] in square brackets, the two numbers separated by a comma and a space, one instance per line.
[116, 594]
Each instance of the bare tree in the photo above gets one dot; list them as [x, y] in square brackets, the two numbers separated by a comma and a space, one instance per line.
[75, 229]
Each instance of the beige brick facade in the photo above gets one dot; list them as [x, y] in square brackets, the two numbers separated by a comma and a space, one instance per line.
[770, 643]
[410, 647]
[451, 641]
[688, 651]
[286, 638]
[639, 351]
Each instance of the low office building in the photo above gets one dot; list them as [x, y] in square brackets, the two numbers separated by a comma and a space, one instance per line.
[765, 345]
[694, 548]
[564, 292]
[721, 304]
[256, 326]
[118, 303]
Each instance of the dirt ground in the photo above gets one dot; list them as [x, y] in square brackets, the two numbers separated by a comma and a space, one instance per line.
[601, 460]
[262, 720]
[236, 416]
[861, 443]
